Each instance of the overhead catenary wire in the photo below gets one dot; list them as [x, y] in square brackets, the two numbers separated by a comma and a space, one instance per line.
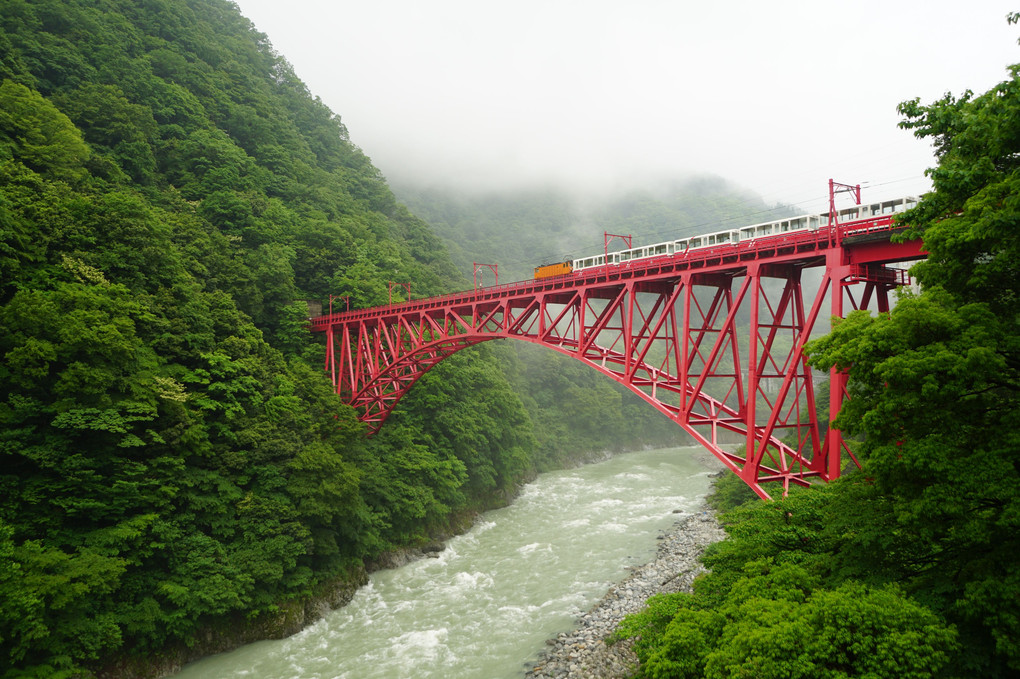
[779, 210]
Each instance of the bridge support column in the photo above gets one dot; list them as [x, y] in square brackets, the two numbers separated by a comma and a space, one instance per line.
[838, 274]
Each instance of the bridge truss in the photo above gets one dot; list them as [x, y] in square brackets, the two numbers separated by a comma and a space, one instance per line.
[713, 338]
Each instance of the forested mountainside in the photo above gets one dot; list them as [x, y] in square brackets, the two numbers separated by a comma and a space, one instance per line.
[908, 568]
[172, 459]
[521, 229]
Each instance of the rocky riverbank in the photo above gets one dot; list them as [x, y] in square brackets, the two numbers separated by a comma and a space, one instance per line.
[582, 653]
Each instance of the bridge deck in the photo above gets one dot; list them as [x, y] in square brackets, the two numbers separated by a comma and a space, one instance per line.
[864, 243]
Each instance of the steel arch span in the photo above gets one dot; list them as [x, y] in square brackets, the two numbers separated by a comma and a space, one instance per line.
[714, 339]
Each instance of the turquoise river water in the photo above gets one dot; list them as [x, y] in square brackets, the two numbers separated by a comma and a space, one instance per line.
[484, 608]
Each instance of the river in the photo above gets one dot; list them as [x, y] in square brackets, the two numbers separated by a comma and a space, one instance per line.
[484, 608]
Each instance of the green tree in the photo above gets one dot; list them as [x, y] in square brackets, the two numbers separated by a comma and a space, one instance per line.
[36, 133]
[115, 126]
[777, 621]
[935, 385]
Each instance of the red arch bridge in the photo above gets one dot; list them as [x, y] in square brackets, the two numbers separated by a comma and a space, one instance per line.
[712, 337]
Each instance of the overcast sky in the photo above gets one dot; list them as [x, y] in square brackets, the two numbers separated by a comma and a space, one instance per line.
[776, 96]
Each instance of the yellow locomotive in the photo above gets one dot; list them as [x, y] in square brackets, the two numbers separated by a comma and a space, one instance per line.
[557, 269]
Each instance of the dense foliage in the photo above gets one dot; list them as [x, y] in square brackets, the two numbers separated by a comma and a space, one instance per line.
[171, 454]
[908, 569]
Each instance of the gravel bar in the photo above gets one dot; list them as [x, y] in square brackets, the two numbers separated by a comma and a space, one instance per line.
[582, 653]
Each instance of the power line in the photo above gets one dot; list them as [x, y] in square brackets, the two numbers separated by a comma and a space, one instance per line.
[709, 226]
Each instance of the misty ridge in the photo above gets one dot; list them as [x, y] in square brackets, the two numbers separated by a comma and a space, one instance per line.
[520, 228]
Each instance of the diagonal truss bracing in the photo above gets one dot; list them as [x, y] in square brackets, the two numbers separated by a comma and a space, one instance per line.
[716, 345]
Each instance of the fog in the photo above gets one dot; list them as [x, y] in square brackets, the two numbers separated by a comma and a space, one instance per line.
[594, 95]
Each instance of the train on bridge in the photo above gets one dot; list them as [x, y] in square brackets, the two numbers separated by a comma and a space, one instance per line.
[730, 237]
